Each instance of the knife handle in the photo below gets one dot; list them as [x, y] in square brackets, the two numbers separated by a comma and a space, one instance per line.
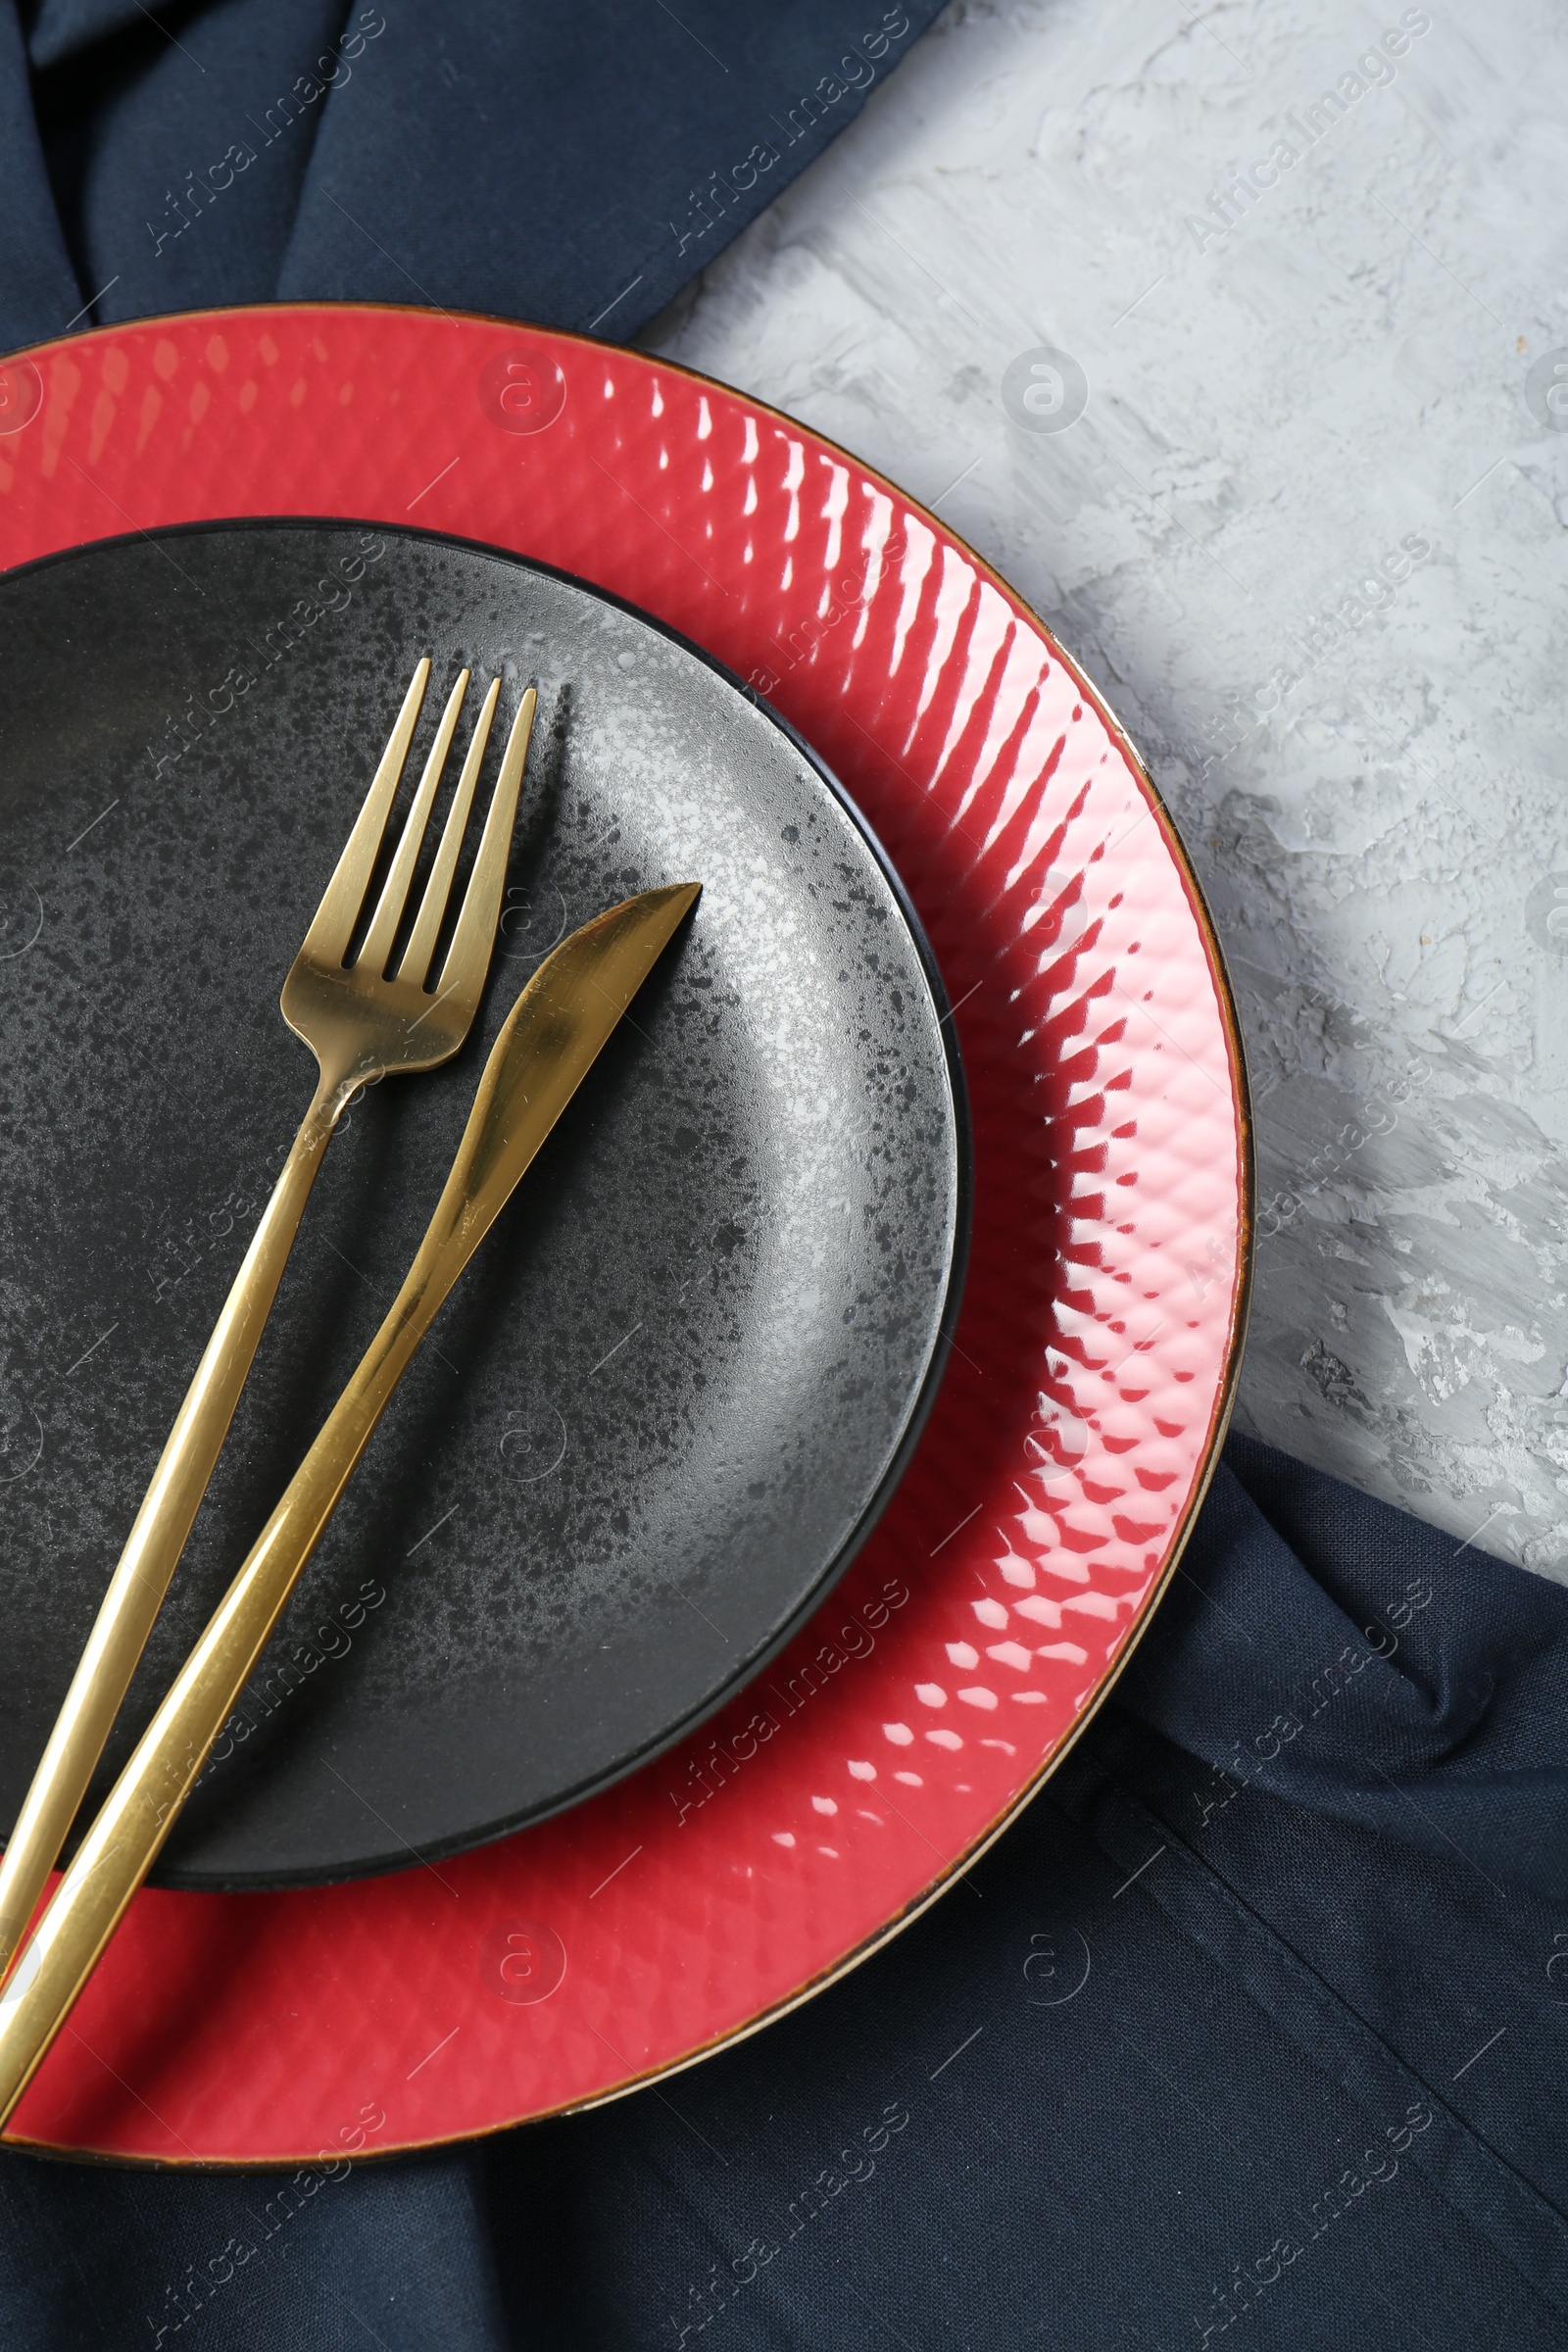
[152, 1550]
[145, 1802]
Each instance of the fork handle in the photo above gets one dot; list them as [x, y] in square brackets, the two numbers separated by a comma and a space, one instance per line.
[169, 1507]
[144, 1804]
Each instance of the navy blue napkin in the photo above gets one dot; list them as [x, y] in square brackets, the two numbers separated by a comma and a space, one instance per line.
[573, 161]
[1257, 2019]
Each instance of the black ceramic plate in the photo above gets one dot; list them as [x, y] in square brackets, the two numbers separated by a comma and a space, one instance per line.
[662, 1408]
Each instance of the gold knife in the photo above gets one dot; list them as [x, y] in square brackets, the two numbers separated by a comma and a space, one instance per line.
[559, 1024]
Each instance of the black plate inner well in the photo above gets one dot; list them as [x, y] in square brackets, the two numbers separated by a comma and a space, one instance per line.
[666, 1401]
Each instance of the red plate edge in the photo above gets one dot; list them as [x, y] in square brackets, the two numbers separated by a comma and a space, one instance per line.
[116, 2142]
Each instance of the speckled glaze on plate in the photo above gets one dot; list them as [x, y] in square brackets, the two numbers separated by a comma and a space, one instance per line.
[1048, 1499]
[654, 1423]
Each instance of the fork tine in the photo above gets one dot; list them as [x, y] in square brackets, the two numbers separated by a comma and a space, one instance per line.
[329, 936]
[416, 963]
[377, 947]
[469, 958]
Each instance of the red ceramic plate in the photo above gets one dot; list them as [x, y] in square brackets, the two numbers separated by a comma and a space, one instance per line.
[1048, 1497]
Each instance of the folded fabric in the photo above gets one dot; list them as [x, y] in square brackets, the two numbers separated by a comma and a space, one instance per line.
[1362, 1668]
[575, 162]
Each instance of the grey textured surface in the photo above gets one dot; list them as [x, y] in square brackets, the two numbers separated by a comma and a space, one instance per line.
[1308, 535]
[660, 1407]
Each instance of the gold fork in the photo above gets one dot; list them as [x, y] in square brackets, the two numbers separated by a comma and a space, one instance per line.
[362, 1021]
